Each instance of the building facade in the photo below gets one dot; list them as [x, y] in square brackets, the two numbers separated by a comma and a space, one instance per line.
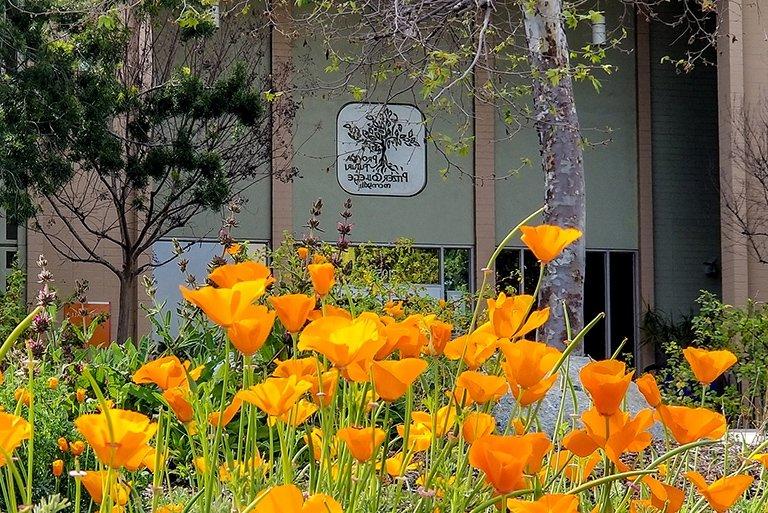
[654, 232]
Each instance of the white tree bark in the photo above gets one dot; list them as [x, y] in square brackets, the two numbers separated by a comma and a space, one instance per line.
[557, 125]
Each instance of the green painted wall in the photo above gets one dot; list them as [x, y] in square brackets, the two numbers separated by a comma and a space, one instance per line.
[441, 214]
[685, 175]
[610, 169]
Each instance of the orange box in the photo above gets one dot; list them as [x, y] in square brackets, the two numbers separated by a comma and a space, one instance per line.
[102, 334]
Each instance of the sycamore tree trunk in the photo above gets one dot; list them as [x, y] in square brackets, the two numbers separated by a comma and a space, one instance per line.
[557, 126]
[128, 307]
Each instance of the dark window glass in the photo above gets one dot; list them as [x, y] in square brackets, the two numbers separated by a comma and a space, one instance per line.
[10, 259]
[456, 269]
[594, 303]
[622, 283]
[530, 272]
[508, 270]
[11, 230]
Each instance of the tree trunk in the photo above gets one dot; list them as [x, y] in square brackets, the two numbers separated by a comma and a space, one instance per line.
[557, 126]
[128, 308]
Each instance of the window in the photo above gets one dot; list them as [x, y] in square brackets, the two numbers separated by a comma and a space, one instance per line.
[9, 234]
[443, 272]
[610, 287]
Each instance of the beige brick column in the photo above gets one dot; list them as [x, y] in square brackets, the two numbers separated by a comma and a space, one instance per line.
[484, 172]
[282, 131]
[730, 76]
[645, 352]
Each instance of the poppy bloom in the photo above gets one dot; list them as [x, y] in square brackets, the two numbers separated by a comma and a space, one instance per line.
[502, 460]
[275, 396]
[22, 395]
[323, 387]
[650, 390]
[606, 383]
[80, 395]
[691, 424]
[77, 448]
[362, 443]
[229, 275]
[550, 503]
[526, 367]
[404, 336]
[293, 310]
[547, 241]
[392, 378]
[575, 469]
[330, 311]
[723, 493]
[63, 444]
[178, 400]
[349, 345]
[510, 315]
[94, 482]
[474, 348]
[322, 276]
[664, 497]
[57, 468]
[616, 434]
[707, 365]
[440, 423]
[299, 414]
[249, 334]
[299, 367]
[13, 430]
[482, 387]
[118, 437]
[420, 435]
[227, 415]
[53, 383]
[476, 425]
[223, 306]
[302, 253]
[439, 336]
[394, 309]
[397, 465]
[289, 499]
[167, 372]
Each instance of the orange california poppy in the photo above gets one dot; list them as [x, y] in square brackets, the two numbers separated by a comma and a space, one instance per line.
[476, 425]
[439, 336]
[57, 468]
[580, 443]
[289, 499]
[526, 367]
[275, 396]
[404, 336]
[227, 415]
[322, 276]
[420, 436]
[691, 424]
[229, 275]
[723, 493]
[293, 310]
[398, 465]
[460, 395]
[223, 306]
[299, 367]
[299, 414]
[650, 389]
[549, 503]
[474, 348]
[350, 345]
[439, 423]
[547, 241]
[481, 387]
[664, 497]
[575, 469]
[708, 365]
[502, 460]
[411, 347]
[249, 334]
[329, 311]
[118, 437]
[540, 446]
[13, 430]
[320, 503]
[394, 309]
[178, 400]
[510, 315]
[167, 372]
[94, 483]
[607, 383]
[618, 433]
[761, 458]
[323, 387]
[362, 443]
[392, 378]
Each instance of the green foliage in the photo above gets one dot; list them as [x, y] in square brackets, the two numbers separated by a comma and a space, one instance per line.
[12, 308]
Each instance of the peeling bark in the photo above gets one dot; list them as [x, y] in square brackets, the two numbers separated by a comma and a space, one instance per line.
[557, 125]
